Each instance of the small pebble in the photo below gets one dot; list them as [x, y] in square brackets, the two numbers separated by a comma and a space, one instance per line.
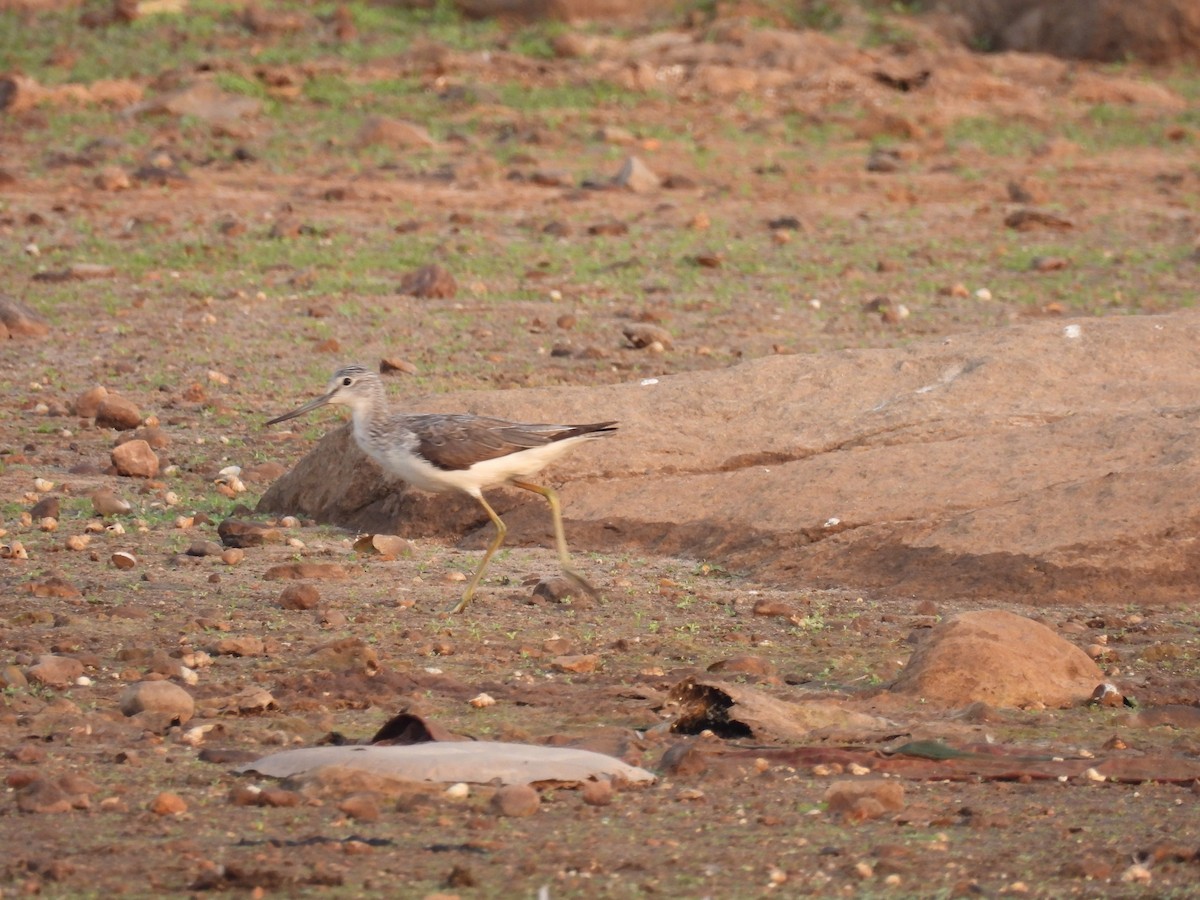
[168, 804]
[123, 560]
[597, 793]
[516, 801]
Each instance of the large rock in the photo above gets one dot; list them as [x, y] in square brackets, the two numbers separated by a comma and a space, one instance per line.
[1050, 461]
[1001, 659]
[1153, 31]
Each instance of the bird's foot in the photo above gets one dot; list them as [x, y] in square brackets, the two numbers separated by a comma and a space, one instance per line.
[461, 604]
[582, 583]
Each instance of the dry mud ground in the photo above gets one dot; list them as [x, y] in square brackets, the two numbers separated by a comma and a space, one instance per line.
[238, 260]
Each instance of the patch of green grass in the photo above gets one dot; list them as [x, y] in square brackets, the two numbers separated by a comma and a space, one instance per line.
[237, 83]
[537, 40]
[583, 95]
[994, 136]
[1110, 126]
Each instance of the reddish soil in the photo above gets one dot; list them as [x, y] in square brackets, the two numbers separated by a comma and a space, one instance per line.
[210, 344]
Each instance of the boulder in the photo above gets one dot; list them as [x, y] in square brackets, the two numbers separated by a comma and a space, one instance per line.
[1053, 461]
[1154, 31]
[999, 658]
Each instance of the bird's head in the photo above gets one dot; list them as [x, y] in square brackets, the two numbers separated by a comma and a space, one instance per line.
[354, 386]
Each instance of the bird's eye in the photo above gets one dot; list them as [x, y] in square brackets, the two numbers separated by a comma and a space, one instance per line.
[347, 381]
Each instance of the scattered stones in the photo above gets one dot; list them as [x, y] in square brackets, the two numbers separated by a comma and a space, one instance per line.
[1049, 263]
[158, 697]
[262, 473]
[299, 596]
[361, 807]
[112, 178]
[157, 438]
[647, 336]
[54, 671]
[754, 666]
[54, 587]
[242, 533]
[239, 646]
[203, 99]
[1034, 219]
[555, 589]
[999, 658]
[884, 160]
[115, 411]
[429, 282]
[168, 804]
[615, 134]
[47, 507]
[582, 664]
[386, 546]
[15, 550]
[306, 571]
[347, 654]
[20, 321]
[204, 548]
[44, 796]
[76, 272]
[135, 459]
[516, 801]
[391, 364]
[608, 228]
[251, 795]
[1176, 715]
[123, 560]
[88, 403]
[767, 607]
[252, 699]
[636, 176]
[866, 799]
[1092, 868]
[597, 793]
[1107, 694]
[394, 133]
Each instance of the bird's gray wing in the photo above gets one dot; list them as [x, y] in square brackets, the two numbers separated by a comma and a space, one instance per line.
[460, 441]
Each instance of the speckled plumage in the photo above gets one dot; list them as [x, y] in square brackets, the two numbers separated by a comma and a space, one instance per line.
[455, 452]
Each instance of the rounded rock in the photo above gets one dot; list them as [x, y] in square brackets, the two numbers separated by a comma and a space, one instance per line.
[597, 793]
[160, 697]
[168, 804]
[135, 459]
[123, 560]
[106, 503]
[115, 411]
[299, 595]
[516, 801]
[87, 403]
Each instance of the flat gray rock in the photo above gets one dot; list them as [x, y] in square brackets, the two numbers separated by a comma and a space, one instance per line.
[451, 762]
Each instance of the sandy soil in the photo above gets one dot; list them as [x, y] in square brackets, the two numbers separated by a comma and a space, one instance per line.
[209, 328]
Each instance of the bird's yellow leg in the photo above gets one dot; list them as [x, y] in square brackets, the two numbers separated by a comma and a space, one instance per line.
[564, 558]
[501, 530]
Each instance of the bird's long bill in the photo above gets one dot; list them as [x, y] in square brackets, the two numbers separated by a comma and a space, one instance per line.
[307, 407]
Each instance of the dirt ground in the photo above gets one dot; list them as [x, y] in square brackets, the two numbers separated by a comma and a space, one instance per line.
[214, 270]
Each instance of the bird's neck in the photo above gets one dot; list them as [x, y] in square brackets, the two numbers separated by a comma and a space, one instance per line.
[368, 410]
